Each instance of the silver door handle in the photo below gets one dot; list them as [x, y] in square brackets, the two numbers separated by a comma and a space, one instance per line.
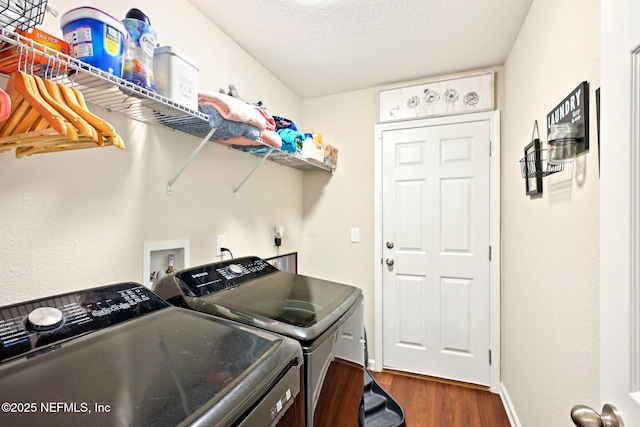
[390, 245]
[584, 416]
[390, 261]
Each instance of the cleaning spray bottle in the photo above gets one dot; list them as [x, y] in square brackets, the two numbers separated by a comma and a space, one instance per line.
[138, 52]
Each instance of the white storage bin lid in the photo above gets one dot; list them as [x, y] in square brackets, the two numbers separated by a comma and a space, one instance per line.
[173, 51]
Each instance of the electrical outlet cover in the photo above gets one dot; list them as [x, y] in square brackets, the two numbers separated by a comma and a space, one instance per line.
[221, 242]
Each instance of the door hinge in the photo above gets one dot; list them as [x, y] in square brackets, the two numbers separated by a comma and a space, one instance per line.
[490, 148]
[489, 357]
[489, 253]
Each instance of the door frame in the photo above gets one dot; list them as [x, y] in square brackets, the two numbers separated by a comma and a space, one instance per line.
[620, 209]
[494, 232]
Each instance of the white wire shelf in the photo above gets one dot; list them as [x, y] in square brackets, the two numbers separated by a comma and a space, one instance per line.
[115, 94]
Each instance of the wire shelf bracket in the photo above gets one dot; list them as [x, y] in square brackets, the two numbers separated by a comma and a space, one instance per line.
[189, 160]
[255, 168]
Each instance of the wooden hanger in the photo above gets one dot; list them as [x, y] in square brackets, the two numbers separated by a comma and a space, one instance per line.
[75, 100]
[56, 100]
[20, 84]
[19, 109]
[112, 136]
[55, 145]
[45, 117]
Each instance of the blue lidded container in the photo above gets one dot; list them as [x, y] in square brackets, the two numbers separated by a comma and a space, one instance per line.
[95, 37]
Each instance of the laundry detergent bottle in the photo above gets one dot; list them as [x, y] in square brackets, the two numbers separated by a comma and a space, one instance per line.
[137, 66]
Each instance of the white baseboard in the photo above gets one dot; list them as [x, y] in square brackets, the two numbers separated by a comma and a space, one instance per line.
[371, 364]
[508, 406]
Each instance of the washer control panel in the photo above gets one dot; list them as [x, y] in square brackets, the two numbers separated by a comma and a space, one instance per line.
[210, 278]
[30, 327]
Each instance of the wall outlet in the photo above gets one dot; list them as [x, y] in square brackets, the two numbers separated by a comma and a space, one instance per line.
[221, 242]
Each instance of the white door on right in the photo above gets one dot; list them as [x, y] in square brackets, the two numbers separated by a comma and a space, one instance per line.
[435, 227]
[620, 211]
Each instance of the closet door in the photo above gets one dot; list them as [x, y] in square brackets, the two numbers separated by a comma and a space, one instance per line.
[435, 231]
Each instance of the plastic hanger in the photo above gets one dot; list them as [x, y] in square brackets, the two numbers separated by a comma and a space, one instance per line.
[5, 105]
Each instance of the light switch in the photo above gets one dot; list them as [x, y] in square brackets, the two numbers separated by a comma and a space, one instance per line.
[355, 235]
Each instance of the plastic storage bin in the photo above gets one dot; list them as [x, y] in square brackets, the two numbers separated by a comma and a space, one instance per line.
[176, 76]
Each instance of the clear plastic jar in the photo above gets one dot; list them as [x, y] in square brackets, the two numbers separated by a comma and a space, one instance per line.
[139, 49]
[562, 144]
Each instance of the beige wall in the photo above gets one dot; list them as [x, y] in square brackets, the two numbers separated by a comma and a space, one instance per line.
[332, 206]
[550, 245]
[79, 219]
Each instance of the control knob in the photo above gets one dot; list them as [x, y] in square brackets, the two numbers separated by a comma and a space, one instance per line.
[44, 318]
[235, 268]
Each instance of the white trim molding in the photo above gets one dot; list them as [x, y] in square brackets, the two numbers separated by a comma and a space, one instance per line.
[635, 225]
[508, 407]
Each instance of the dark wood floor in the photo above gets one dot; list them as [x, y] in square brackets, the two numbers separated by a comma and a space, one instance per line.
[429, 402]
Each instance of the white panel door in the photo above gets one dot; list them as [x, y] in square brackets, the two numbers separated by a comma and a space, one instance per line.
[620, 210]
[435, 225]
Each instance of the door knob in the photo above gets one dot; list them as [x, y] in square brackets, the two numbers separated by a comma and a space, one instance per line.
[584, 416]
[390, 261]
[390, 245]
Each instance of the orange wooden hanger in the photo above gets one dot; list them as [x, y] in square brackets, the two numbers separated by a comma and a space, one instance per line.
[23, 86]
[75, 100]
[45, 116]
[19, 110]
[55, 99]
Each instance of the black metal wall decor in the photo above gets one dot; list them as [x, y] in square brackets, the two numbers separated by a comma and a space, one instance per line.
[534, 165]
[574, 109]
[598, 122]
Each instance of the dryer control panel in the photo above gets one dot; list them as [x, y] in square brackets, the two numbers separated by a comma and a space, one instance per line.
[206, 279]
[32, 326]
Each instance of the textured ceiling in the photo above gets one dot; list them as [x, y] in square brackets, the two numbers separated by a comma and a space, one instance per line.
[322, 47]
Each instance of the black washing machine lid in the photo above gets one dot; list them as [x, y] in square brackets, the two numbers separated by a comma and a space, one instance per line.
[164, 367]
[253, 292]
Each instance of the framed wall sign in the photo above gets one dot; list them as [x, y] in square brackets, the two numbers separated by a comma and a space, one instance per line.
[457, 95]
[574, 109]
[532, 168]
